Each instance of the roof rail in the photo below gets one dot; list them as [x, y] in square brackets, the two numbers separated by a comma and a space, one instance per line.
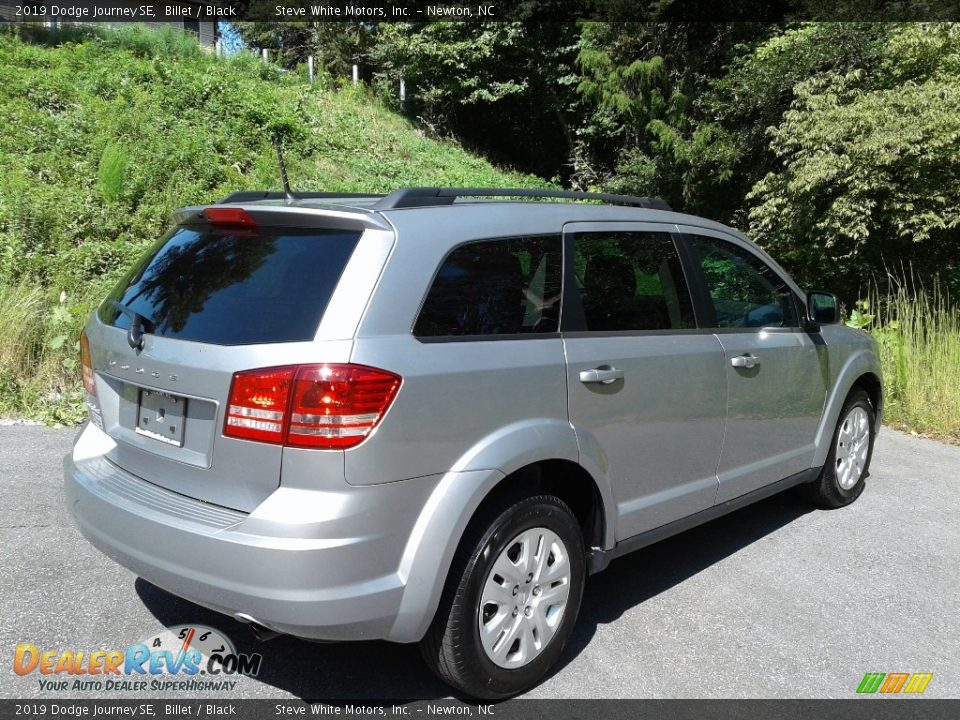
[251, 195]
[430, 196]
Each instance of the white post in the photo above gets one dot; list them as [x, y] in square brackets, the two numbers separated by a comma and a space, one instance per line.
[356, 74]
[310, 68]
[266, 55]
[218, 48]
[403, 90]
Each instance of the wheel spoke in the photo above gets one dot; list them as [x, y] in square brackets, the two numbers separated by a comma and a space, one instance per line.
[558, 570]
[543, 627]
[530, 646]
[491, 630]
[531, 541]
[555, 594]
[507, 569]
[543, 555]
[505, 642]
[498, 593]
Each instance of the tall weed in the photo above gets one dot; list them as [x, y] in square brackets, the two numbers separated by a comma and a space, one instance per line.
[113, 169]
[39, 349]
[918, 331]
[22, 313]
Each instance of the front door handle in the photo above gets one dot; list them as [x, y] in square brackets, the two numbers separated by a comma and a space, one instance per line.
[745, 361]
[603, 374]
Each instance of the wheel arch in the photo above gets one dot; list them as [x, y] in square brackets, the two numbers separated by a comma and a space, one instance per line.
[871, 383]
[461, 496]
[568, 481]
[862, 369]
[555, 447]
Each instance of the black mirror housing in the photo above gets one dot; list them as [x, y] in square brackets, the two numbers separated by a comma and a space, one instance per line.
[823, 308]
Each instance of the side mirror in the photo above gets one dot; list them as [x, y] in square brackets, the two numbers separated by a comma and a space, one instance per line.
[822, 308]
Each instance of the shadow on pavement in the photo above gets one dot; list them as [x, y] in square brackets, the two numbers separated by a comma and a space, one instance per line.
[644, 574]
[309, 670]
[378, 670]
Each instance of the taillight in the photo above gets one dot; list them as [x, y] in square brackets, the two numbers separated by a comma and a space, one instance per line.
[331, 407]
[258, 404]
[337, 406]
[87, 364]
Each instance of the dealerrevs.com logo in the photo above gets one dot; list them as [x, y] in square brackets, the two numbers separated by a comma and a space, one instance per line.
[183, 657]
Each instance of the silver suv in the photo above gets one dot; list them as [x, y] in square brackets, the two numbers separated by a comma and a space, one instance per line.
[428, 416]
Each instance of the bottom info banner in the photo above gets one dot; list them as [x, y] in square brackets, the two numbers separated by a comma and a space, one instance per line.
[521, 709]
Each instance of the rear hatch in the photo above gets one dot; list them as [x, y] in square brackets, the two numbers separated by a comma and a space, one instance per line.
[209, 300]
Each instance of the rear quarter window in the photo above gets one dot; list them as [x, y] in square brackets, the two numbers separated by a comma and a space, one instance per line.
[233, 287]
[509, 286]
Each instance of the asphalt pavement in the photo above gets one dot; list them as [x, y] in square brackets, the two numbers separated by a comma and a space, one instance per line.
[777, 600]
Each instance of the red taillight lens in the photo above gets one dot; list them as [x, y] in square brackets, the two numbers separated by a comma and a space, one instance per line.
[337, 406]
[258, 404]
[87, 364]
[231, 217]
[331, 407]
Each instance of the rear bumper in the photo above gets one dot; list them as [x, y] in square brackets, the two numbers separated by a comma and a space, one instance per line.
[321, 564]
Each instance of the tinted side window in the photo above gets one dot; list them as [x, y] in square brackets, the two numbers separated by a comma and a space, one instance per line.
[744, 290]
[496, 287]
[631, 281]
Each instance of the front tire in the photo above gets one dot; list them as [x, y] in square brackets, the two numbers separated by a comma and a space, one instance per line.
[511, 599]
[848, 464]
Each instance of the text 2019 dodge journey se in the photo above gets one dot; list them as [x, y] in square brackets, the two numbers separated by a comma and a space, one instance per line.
[427, 417]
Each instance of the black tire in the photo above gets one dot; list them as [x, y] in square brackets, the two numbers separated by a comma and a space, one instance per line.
[452, 646]
[827, 491]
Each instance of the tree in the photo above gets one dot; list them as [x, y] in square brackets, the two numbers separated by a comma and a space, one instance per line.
[730, 148]
[641, 85]
[336, 46]
[868, 173]
[505, 88]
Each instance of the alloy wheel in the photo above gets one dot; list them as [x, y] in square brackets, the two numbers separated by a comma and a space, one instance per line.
[853, 444]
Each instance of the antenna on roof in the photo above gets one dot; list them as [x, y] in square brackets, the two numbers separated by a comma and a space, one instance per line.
[283, 169]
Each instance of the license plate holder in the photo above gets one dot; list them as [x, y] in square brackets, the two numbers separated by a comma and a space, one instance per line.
[161, 416]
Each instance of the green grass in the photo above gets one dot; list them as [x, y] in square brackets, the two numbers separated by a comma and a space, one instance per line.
[106, 132]
[918, 331]
[39, 351]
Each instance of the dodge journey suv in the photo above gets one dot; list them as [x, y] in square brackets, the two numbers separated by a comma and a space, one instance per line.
[429, 416]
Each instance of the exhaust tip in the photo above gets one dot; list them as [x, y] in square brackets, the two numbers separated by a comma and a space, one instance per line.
[264, 634]
[261, 632]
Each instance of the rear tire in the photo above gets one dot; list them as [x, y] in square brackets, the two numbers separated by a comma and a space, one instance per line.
[848, 464]
[511, 599]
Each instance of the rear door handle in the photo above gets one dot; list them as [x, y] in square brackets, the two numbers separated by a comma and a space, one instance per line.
[745, 361]
[604, 375]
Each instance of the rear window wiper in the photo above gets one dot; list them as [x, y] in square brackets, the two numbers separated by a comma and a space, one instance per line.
[139, 324]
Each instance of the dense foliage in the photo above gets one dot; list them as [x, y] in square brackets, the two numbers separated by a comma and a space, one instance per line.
[505, 89]
[833, 144]
[868, 171]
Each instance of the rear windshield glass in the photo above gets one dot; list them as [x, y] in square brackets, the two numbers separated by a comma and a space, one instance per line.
[233, 287]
